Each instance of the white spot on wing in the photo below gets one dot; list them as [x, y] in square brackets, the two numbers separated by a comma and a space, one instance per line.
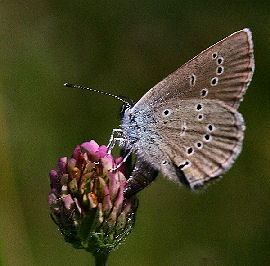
[199, 145]
[214, 81]
[192, 80]
[199, 107]
[204, 92]
[200, 117]
[210, 128]
[190, 151]
[166, 112]
[220, 60]
[214, 55]
[219, 70]
[185, 165]
[207, 137]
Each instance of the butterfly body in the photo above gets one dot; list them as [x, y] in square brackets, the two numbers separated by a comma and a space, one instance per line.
[187, 126]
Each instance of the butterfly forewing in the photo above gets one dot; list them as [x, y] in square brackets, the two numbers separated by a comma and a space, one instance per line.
[223, 71]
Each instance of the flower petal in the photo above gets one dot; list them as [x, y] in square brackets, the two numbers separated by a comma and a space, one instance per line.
[91, 147]
[123, 167]
[61, 167]
[102, 151]
[107, 204]
[54, 179]
[113, 185]
[120, 197]
[68, 202]
[107, 163]
[77, 152]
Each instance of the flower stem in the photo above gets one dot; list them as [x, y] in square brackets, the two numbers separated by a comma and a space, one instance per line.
[101, 259]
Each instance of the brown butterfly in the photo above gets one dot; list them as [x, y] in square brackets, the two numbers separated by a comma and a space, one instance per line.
[187, 126]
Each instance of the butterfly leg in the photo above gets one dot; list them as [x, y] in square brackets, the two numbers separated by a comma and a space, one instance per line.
[121, 142]
[123, 161]
[112, 140]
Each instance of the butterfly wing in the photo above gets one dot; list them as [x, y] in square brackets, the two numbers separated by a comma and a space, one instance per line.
[202, 144]
[196, 131]
[223, 71]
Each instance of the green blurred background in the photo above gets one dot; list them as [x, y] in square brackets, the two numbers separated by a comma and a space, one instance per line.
[124, 47]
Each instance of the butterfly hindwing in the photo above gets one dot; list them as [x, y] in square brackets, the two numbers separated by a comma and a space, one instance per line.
[201, 144]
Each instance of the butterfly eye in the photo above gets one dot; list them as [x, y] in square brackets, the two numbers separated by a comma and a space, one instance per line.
[123, 110]
[166, 112]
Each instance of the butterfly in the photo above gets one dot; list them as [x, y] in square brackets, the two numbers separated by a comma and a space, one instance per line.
[187, 127]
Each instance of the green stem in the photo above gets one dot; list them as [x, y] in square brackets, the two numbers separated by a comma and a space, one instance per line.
[101, 259]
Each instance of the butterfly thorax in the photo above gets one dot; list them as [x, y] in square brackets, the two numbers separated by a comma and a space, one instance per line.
[137, 125]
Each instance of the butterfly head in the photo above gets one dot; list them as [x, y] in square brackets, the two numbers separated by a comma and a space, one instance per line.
[124, 109]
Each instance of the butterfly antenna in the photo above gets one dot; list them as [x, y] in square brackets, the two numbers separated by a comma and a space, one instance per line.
[98, 91]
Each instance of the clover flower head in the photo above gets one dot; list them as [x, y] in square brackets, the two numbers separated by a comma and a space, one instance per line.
[87, 200]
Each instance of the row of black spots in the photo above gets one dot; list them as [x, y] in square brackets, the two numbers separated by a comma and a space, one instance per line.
[219, 69]
[199, 108]
[219, 60]
[199, 144]
[207, 137]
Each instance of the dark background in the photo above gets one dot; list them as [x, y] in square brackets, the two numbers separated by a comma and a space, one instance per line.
[124, 47]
